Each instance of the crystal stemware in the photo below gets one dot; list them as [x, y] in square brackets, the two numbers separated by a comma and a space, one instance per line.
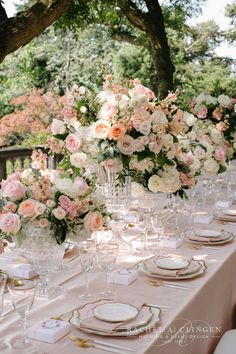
[107, 253]
[87, 251]
[117, 227]
[22, 297]
[3, 279]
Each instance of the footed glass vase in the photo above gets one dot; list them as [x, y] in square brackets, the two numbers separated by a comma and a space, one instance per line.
[117, 193]
[39, 246]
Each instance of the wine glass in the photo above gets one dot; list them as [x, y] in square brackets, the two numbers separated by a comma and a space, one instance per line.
[117, 226]
[87, 253]
[190, 203]
[107, 253]
[22, 297]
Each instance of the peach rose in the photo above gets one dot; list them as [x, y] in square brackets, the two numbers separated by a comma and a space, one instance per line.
[14, 190]
[101, 129]
[10, 223]
[116, 132]
[93, 221]
[10, 207]
[26, 208]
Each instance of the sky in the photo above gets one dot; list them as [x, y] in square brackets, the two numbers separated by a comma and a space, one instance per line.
[213, 9]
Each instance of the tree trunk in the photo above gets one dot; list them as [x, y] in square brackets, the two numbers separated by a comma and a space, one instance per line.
[152, 23]
[17, 31]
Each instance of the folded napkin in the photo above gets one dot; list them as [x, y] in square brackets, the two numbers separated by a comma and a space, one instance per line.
[194, 237]
[87, 320]
[203, 219]
[152, 268]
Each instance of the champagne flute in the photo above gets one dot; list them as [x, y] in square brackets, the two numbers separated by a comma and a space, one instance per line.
[107, 253]
[22, 297]
[87, 253]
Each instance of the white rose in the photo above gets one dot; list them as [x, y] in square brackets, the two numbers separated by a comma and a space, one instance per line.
[199, 153]
[211, 167]
[200, 98]
[216, 136]
[210, 100]
[58, 127]
[145, 127]
[82, 90]
[78, 159]
[224, 100]
[189, 119]
[67, 187]
[137, 190]
[155, 184]
[196, 165]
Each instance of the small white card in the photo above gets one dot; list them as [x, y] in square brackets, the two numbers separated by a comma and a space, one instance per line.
[21, 271]
[123, 276]
[171, 243]
[49, 331]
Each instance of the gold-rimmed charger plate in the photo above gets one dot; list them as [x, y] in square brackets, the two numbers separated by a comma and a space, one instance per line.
[150, 323]
[229, 237]
[192, 275]
[115, 312]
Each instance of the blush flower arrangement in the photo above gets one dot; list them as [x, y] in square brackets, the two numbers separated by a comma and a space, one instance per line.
[138, 136]
[220, 110]
[51, 200]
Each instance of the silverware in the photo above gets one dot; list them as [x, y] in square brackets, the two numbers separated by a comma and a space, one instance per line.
[157, 283]
[90, 343]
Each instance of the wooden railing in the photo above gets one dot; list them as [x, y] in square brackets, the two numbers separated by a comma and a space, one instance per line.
[18, 158]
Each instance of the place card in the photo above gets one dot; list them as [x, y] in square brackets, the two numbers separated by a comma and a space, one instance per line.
[123, 276]
[21, 271]
[49, 331]
[171, 243]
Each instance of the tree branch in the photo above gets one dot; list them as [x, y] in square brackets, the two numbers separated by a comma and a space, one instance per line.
[17, 31]
[123, 36]
[133, 14]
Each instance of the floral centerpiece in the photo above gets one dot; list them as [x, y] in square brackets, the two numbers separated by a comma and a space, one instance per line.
[138, 137]
[50, 199]
[221, 111]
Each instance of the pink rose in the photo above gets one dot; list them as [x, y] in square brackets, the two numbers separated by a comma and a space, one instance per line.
[43, 222]
[202, 113]
[39, 208]
[13, 177]
[14, 190]
[108, 111]
[26, 208]
[73, 142]
[220, 154]
[50, 203]
[72, 212]
[126, 145]
[10, 207]
[81, 185]
[113, 165]
[10, 223]
[59, 213]
[65, 202]
[93, 221]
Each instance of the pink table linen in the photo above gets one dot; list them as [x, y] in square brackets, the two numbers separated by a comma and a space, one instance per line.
[205, 310]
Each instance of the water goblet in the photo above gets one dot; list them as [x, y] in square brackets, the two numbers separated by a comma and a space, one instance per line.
[22, 297]
[117, 227]
[87, 254]
[190, 203]
[3, 279]
[107, 253]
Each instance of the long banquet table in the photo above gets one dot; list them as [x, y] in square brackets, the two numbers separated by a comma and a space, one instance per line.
[192, 322]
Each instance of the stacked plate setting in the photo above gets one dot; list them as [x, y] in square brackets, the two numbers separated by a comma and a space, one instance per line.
[208, 237]
[228, 215]
[172, 267]
[115, 318]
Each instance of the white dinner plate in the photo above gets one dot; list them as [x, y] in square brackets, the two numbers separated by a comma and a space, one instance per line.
[146, 327]
[171, 263]
[208, 233]
[231, 212]
[115, 312]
